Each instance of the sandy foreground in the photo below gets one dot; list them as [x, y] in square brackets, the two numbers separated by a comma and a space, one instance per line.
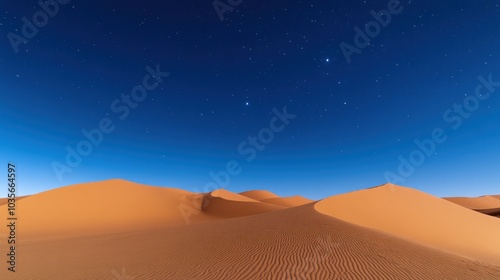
[119, 230]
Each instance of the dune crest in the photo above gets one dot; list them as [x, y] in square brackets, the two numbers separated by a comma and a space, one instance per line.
[225, 204]
[231, 196]
[259, 194]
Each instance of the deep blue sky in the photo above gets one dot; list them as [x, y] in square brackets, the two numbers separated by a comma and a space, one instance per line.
[353, 120]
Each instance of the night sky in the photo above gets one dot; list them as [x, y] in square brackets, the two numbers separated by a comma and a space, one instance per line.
[233, 68]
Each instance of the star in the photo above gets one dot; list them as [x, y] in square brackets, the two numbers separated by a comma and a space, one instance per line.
[327, 60]
[247, 103]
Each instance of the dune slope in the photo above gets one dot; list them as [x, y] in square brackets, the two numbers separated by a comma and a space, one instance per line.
[419, 217]
[97, 208]
[292, 201]
[295, 243]
[236, 238]
[225, 204]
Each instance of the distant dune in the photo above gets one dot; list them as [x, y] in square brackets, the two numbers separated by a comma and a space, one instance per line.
[271, 198]
[488, 204]
[224, 204]
[121, 230]
[292, 201]
[259, 194]
[227, 195]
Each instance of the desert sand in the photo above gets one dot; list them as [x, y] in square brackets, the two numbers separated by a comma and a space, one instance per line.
[121, 230]
[488, 204]
[419, 217]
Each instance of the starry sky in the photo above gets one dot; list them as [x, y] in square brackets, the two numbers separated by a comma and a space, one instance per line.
[219, 72]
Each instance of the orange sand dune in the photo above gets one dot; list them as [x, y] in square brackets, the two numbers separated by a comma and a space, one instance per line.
[476, 203]
[224, 204]
[120, 206]
[259, 194]
[97, 208]
[488, 205]
[227, 195]
[139, 233]
[295, 243]
[292, 201]
[420, 217]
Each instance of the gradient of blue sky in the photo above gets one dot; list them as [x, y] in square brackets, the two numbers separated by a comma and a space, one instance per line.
[353, 120]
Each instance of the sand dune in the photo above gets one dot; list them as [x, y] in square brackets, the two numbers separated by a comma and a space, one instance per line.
[139, 233]
[271, 198]
[292, 201]
[97, 208]
[476, 203]
[119, 206]
[259, 194]
[227, 195]
[420, 217]
[296, 243]
[224, 204]
[488, 205]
